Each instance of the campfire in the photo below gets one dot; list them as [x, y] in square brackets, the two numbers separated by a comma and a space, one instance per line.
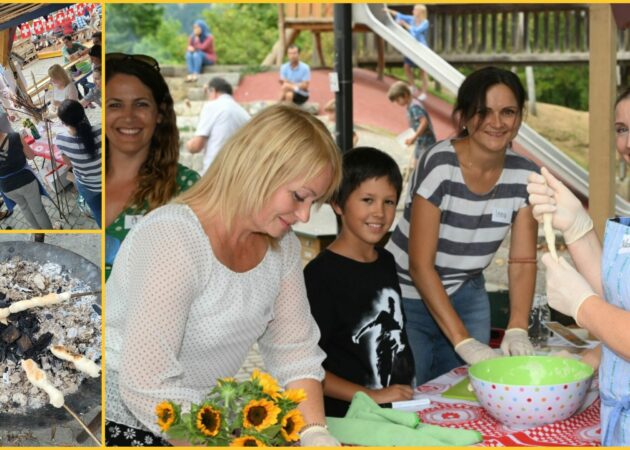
[73, 323]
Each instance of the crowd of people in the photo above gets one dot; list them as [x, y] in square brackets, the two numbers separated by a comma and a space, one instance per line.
[185, 250]
[63, 100]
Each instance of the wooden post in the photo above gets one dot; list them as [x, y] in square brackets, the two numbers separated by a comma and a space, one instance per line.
[282, 35]
[380, 57]
[4, 47]
[601, 153]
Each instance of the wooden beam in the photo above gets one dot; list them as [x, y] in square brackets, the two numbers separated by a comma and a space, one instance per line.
[603, 42]
[4, 48]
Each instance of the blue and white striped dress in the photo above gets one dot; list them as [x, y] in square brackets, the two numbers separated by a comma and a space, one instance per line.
[614, 371]
[87, 168]
[472, 226]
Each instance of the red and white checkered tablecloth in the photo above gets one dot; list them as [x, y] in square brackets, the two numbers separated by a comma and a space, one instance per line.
[582, 429]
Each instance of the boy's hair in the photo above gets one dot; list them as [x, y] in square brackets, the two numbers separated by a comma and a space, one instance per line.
[95, 51]
[330, 106]
[397, 90]
[366, 163]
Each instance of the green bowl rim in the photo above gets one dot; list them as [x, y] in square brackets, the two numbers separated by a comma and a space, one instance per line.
[592, 372]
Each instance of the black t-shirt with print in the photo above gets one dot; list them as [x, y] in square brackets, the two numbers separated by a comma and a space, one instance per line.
[359, 312]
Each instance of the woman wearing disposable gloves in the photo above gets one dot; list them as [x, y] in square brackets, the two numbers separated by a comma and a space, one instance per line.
[597, 294]
[197, 282]
[468, 193]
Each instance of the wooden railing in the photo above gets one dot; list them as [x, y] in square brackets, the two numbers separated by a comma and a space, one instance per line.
[515, 34]
[531, 33]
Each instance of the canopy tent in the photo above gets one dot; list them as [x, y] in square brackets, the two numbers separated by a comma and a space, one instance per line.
[13, 15]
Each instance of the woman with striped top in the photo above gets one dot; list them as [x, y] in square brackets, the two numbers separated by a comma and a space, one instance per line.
[468, 193]
[80, 146]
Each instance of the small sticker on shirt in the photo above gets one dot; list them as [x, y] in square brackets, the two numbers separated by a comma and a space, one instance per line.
[131, 221]
[625, 245]
[501, 215]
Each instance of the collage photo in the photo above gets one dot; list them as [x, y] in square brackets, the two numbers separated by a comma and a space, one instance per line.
[326, 224]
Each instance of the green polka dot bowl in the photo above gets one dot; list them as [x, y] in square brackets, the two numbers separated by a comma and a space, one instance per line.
[530, 391]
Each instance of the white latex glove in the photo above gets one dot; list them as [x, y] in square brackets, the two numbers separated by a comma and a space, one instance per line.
[516, 343]
[472, 351]
[566, 288]
[318, 436]
[553, 197]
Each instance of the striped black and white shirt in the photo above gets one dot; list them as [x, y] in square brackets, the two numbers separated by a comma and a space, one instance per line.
[472, 226]
[86, 168]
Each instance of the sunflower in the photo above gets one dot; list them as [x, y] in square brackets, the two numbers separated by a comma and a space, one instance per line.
[295, 395]
[267, 382]
[292, 423]
[260, 414]
[208, 420]
[226, 380]
[247, 441]
[166, 415]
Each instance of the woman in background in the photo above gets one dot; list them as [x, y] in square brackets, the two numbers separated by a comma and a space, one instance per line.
[142, 146]
[63, 87]
[18, 183]
[200, 51]
[80, 146]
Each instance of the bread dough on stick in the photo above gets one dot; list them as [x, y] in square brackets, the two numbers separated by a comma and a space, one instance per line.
[4, 313]
[46, 300]
[550, 236]
[37, 377]
[80, 362]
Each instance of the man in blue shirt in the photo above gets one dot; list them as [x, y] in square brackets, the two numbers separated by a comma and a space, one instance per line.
[294, 78]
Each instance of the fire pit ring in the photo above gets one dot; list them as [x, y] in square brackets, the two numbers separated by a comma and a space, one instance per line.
[88, 396]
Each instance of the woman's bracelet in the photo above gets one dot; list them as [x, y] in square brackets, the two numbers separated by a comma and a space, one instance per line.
[313, 425]
[522, 261]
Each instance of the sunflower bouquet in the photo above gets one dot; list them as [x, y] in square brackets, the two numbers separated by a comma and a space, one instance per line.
[252, 413]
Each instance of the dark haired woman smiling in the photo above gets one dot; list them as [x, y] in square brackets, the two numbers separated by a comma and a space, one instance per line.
[467, 194]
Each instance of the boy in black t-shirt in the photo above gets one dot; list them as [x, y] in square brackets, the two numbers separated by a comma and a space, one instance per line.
[354, 293]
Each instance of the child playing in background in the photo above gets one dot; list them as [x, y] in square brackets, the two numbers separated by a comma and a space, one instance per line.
[354, 293]
[418, 25]
[419, 120]
[330, 109]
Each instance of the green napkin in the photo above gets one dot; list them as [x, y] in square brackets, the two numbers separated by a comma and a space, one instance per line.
[368, 424]
[363, 407]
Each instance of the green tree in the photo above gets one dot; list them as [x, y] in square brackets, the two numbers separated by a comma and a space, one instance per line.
[167, 44]
[127, 24]
[243, 33]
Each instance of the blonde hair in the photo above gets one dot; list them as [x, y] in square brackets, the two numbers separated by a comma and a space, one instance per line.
[56, 72]
[397, 90]
[422, 9]
[278, 145]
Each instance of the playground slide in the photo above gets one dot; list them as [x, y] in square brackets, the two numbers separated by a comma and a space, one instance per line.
[374, 16]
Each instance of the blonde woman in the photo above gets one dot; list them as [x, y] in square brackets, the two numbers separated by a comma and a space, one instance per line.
[197, 282]
[63, 87]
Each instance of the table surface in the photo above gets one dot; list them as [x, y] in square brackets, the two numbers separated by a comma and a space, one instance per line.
[40, 146]
[582, 429]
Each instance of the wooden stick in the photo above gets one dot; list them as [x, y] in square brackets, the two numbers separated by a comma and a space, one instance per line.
[83, 294]
[87, 430]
